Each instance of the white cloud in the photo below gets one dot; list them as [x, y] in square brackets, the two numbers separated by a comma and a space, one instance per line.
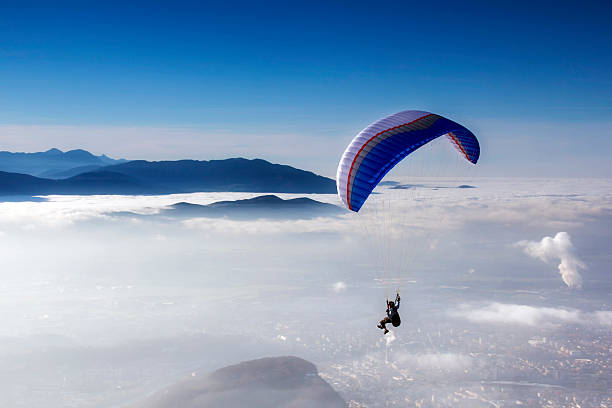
[523, 315]
[339, 287]
[560, 247]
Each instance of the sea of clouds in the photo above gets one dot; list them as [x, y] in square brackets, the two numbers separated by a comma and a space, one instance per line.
[101, 275]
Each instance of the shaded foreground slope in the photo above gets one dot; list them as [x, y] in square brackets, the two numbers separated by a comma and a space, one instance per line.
[287, 382]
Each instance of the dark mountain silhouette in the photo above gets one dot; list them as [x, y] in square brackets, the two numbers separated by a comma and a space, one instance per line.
[22, 184]
[183, 176]
[236, 174]
[101, 182]
[71, 172]
[389, 183]
[406, 186]
[53, 161]
[279, 382]
[267, 206]
[409, 186]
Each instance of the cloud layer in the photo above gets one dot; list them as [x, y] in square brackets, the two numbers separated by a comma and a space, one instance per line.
[537, 203]
[523, 315]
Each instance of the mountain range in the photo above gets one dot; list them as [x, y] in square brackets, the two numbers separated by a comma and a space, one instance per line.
[159, 177]
[54, 163]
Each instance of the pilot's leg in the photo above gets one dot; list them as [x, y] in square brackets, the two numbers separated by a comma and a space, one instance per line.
[383, 322]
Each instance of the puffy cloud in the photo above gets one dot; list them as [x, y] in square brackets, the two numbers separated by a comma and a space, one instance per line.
[504, 313]
[559, 247]
[339, 287]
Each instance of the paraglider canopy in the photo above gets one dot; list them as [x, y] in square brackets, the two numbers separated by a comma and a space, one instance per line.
[383, 144]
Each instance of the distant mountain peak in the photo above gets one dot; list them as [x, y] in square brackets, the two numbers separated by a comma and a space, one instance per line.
[267, 198]
[53, 163]
[80, 153]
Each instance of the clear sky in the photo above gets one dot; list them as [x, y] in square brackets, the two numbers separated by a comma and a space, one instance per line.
[293, 83]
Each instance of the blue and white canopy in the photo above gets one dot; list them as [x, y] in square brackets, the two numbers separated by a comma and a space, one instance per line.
[383, 144]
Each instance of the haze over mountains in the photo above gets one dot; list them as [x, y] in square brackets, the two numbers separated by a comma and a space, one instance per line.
[54, 163]
[109, 176]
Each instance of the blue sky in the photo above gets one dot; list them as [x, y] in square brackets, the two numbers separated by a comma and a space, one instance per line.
[167, 80]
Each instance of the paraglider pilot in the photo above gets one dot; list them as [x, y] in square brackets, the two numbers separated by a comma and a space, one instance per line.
[393, 316]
